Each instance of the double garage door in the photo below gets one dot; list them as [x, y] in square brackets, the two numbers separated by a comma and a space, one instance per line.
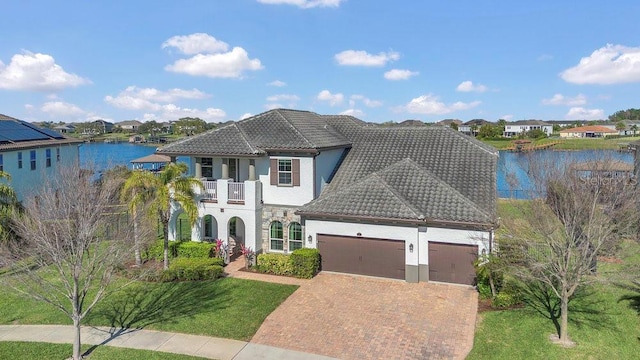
[363, 256]
[451, 263]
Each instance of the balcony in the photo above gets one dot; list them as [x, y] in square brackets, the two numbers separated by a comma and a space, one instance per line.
[224, 191]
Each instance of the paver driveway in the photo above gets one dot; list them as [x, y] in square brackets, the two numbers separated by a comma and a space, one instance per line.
[353, 317]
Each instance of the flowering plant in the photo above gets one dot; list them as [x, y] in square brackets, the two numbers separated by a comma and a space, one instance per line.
[248, 255]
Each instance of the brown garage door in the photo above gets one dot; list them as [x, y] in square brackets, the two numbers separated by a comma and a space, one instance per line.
[364, 256]
[452, 263]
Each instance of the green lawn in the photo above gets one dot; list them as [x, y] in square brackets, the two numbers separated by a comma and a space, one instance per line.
[571, 144]
[604, 325]
[16, 350]
[227, 308]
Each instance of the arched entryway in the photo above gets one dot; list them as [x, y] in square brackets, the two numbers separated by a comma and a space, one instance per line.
[236, 235]
[209, 228]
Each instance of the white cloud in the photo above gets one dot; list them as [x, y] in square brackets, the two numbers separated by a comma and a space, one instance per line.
[611, 64]
[173, 112]
[399, 74]
[353, 112]
[580, 113]
[196, 44]
[29, 107]
[245, 116]
[136, 98]
[332, 99]
[559, 99]
[36, 72]
[469, 86]
[365, 100]
[431, 105]
[544, 57]
[363, 58]
[230, 64]
[305, 4]
[277, 83]
[507, 117]
[272, 106]
[283, 97]
[60, 108]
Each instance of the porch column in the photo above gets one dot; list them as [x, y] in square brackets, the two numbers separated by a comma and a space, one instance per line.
[252, 170]
[225, 168]
[198, 168]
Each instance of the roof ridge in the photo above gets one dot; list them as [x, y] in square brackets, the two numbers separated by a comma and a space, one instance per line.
[429, 173]
[278, 111]
[244, 137]
[402, 199]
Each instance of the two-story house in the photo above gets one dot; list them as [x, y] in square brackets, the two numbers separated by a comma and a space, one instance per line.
[414, 203]
[31, 154]
[523, 126]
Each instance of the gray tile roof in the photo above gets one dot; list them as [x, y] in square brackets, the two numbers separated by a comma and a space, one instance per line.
[270, 131]
[440, 174]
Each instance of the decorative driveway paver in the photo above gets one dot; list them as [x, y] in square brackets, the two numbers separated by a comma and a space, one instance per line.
[354, 317]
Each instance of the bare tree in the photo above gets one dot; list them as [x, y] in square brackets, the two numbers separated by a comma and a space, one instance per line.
[73, 240]
[584, 207]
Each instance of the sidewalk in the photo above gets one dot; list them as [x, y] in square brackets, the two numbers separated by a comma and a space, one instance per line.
[194, 345]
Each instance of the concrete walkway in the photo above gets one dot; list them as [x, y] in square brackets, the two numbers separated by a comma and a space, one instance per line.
[194, 345]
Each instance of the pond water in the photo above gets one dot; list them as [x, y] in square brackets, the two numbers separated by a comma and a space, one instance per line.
[104, 156]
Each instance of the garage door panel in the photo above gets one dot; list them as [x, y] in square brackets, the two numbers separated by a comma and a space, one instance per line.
[452, 262]
[363, 256]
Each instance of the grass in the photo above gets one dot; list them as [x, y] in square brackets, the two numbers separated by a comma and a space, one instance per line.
[17, 350]
[571, 144]
[603, 324]
[227, 308]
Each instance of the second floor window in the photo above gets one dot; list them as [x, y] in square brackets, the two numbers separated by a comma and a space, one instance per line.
[207, 167]
[20, 160]
[57, 154]
[48, 157]
[32, 157]
[284, 172]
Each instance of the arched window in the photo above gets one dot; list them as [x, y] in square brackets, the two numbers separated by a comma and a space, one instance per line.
[295, 236]
[276, 239]
[208, 226]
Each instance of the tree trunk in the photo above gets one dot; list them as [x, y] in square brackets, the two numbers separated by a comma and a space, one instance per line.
[136, 237]
[492, 285]
[77, 355]
[564, 317]
[166, 245]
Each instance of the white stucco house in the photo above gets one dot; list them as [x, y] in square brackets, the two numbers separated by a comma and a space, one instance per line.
[591, 131]
[522, 126]
[413, 203]
[31, 154]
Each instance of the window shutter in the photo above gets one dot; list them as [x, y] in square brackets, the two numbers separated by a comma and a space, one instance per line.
[295, 171]
[274, 171]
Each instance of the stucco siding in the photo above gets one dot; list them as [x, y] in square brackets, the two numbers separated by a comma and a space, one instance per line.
[326, 163]
[286, 195]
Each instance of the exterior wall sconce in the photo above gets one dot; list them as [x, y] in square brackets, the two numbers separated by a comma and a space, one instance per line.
[310, 239]
[410, 248]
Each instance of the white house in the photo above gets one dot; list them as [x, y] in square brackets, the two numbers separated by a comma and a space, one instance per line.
[129, 125]
[414, 203]
[522, 126]
[591, 131]
[31, 154]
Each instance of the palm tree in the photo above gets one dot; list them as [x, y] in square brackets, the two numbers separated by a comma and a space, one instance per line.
[159, 191]
[8, 204]
[634, 128]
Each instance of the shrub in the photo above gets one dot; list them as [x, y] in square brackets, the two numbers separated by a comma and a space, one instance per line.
[194, 249]
[192, 269]
[305, 263]
[156, 250]
[277, 264]
[504, 300]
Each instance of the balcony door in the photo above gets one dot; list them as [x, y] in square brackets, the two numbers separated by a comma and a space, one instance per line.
[234, 169]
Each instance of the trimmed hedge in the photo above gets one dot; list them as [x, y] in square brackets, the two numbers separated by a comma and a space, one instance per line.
[306, 262]
[302, 263]
[188, 249]
[192, 269]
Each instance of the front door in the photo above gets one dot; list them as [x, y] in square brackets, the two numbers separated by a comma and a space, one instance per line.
[234, 171]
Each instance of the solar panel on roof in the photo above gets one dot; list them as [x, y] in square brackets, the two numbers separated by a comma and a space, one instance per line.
[47, 132]
[17, 131]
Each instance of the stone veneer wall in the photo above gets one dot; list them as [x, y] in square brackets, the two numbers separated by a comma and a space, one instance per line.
[286, 215]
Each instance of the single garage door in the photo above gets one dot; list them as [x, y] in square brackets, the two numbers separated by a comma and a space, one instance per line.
[452, 263]
[363, 256]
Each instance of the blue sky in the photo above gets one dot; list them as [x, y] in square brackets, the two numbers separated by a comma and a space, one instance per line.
[376, 59]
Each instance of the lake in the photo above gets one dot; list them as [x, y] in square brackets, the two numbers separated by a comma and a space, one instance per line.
[104, 156]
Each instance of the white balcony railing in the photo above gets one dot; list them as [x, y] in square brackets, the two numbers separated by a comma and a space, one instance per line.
[236, 192]
[210, 190]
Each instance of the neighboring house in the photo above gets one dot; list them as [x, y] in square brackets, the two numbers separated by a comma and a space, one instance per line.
[129, 125]
[592, 131]
[31, 154]
[413, 203]
[631, 127]
[65, 129]
[566, 123]
[472, 127]
[448, 122]
[522, 126]
[102, 126]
